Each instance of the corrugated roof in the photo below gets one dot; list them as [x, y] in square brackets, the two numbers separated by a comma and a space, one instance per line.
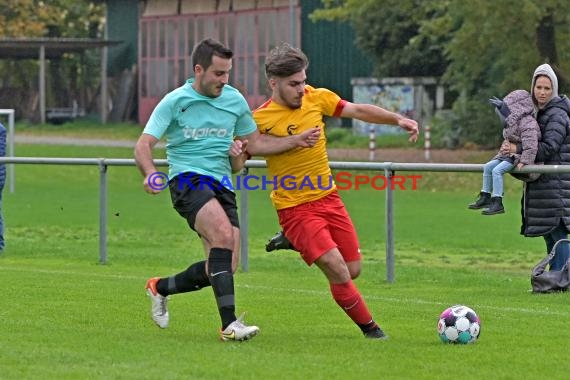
[28, 48]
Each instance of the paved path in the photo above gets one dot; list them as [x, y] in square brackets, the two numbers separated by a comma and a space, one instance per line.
[350, 154]
[63, 140]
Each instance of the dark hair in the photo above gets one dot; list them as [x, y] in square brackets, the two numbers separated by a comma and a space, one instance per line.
[206, 49]
[285, 60]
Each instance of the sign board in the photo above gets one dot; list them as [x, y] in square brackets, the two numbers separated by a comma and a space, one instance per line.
[393, 97]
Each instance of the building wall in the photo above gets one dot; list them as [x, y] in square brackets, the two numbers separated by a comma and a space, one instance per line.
[167, 37]
[122, 25]
[159, 35]
[334, 58]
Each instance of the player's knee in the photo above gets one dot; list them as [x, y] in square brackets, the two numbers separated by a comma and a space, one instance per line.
[338, 273]
[354, 268]
[354, 272]
[224, 237]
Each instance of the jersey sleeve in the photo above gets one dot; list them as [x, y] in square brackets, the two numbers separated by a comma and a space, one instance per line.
[331, 103]
[245, 124]
[160, 119]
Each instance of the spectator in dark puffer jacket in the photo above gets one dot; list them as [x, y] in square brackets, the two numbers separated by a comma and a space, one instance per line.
[546, 201]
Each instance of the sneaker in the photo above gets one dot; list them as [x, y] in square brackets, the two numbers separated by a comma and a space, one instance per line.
[376, 333]
[238, 331]
[158, 311]
[279, 241]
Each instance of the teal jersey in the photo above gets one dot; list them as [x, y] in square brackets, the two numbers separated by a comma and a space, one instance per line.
[199, 130]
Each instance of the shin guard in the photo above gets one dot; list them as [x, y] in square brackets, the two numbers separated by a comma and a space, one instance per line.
[222, 280]
[349, 299]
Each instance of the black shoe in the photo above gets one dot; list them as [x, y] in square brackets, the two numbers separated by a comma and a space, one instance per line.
[279, 241]
[496, 207]
[375, 333]
[482, 201]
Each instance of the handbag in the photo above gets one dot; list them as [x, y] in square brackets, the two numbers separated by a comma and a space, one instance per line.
[544, 281]
[525, 177]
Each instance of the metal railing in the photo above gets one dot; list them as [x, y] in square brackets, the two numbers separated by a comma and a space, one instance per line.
[387, 168]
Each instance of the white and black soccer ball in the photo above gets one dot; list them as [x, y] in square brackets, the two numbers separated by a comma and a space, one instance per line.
[459, 324]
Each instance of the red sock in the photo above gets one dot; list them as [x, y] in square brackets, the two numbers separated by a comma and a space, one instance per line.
[349, 299]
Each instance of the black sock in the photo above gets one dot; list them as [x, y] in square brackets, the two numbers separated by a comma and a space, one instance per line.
[192, 279]
[222, 280]
[366, 327]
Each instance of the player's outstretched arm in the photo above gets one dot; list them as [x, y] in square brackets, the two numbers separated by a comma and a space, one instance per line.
[373, 114]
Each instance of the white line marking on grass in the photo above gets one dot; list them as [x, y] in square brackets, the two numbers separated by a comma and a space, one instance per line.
[82, 274]
[542, 311]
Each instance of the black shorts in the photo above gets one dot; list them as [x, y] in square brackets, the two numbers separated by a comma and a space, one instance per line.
[193, 191]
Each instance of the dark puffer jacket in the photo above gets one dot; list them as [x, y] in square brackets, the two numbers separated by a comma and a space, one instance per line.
[2, 154]
[546, 201]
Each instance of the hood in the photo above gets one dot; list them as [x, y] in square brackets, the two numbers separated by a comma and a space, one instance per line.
[520, 104]
[545, 70]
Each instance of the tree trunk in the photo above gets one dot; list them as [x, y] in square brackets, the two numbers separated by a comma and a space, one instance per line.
[546, 45]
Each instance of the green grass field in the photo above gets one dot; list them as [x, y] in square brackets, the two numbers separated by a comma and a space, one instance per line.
[64, 316]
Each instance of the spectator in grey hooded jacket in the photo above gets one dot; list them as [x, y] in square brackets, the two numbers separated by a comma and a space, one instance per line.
[516, 112]
[546, 201]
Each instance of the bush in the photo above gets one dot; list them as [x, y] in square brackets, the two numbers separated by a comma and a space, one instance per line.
[343, 138]
[470, 123]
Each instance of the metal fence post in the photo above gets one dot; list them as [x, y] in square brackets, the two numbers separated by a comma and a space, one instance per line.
[389, 226]
[244, 225]
[102, 212]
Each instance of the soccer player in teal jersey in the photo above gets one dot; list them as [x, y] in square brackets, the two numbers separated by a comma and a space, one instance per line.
[207, 125]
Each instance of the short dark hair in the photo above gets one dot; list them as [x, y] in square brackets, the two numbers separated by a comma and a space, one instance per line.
[285, 60]
[206, 49]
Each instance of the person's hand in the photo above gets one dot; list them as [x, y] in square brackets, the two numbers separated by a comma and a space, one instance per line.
[309, 138]
[520, 165]
[512, 148]
[155, 182]
[411, 126]
[238, 147]
[505, 147]
[496, 102]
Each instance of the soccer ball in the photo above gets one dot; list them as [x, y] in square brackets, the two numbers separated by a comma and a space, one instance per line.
[459, 324]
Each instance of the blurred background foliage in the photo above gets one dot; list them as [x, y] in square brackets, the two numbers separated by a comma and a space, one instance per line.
[73, 76]
[479, 49]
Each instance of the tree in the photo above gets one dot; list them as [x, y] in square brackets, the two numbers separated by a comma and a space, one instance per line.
[69, 75]
[59, 18]
[483, 48]
[388, 31]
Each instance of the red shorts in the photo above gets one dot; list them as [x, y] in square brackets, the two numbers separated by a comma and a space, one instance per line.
[314, 228]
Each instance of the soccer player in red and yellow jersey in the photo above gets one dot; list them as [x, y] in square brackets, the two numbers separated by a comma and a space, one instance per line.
[310, 211]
